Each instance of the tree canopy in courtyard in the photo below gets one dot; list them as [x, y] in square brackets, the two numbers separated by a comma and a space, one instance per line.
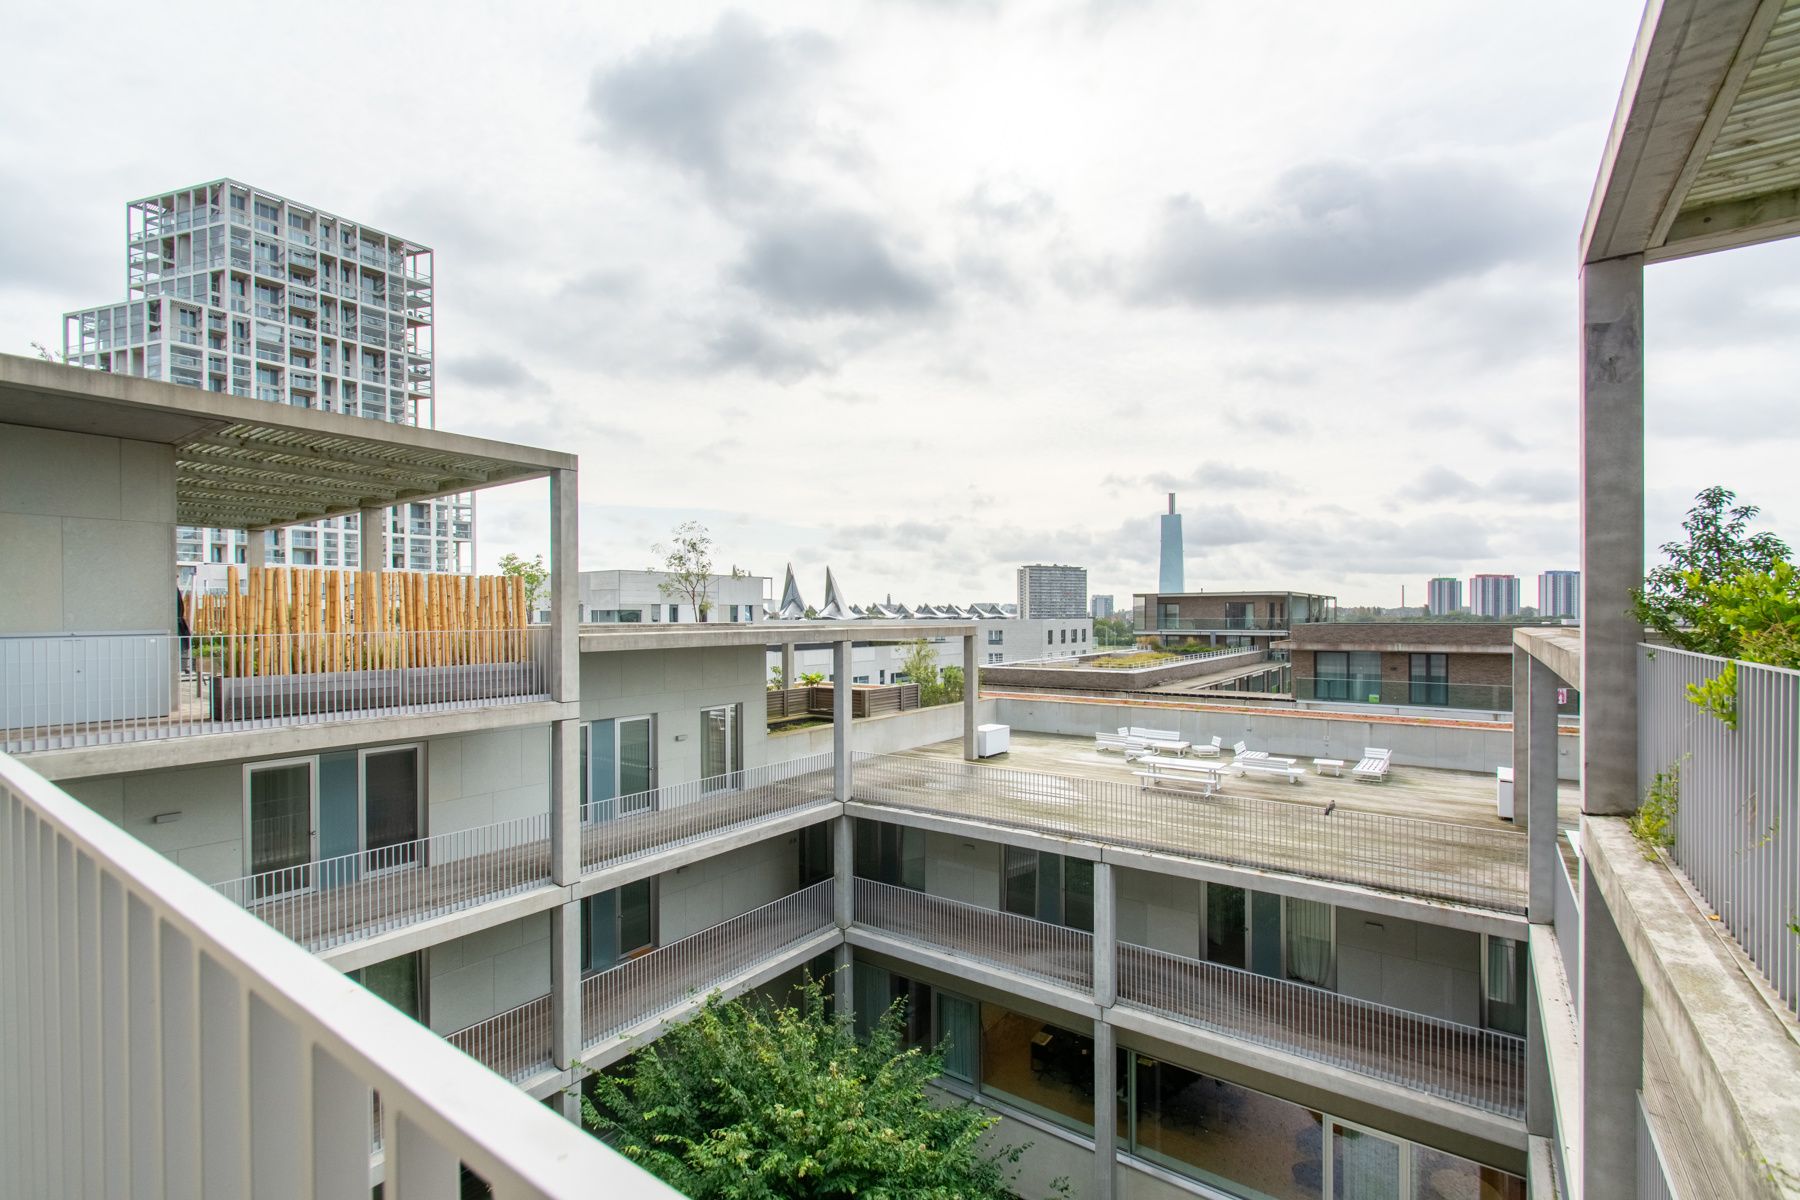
[749, 1101]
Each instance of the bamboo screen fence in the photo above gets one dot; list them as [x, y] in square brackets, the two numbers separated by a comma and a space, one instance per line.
[294, 620]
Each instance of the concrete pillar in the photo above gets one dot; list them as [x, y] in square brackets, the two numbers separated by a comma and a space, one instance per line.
[256, 549]
[843, 983]
[565, 593]
[1106, 1109]
[371, 540]
[565, 801]
[843, 865]
[565, 995]
[1106, 963]
[841, 742]
[1540, 787]
[1612, 528]
[1612, 1052]
[1521, 744]
[971, 691]
[788, 678]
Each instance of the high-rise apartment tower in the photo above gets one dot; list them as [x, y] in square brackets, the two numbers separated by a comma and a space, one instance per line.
[1494, 595]
[1052, 590]
[230, 288]
[1443, 595]
[1172, 578]
[1559, 594]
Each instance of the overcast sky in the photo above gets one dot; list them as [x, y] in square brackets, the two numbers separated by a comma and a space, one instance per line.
[924, 290]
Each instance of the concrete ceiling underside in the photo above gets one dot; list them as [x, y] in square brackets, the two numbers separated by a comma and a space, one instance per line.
[1704, 152]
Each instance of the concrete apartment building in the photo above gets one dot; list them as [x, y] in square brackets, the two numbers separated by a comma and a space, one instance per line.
[1559, 594]
[642, 596]
[1318, 989]
[879, 658]
[1443, 595]
[1494, 595]
[1453, 664]
[1100, 607]
[231, 288]
[1052, 590]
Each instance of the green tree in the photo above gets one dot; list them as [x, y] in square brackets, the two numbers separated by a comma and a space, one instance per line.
[1717, 548]
[1113, 631]
[687, 561]
[536, 575]
[757, 1103]
[776, 682]
[920, 666]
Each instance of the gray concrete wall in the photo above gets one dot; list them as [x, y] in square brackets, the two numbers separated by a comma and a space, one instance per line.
[88, 528]
[1469, 747]
[886, 734]
[1159, 911]
[696, 897]
[962, 869]
[1410, 965]
[475, 779]
[207, 838]
[1077, 677]
[675, 685]
[476, 977]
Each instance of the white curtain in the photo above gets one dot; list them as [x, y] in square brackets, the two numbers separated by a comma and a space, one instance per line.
[1309, 941]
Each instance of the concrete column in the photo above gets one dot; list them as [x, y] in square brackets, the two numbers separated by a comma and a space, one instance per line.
[788, 678]
[565, 595]
[565, 801]
[1106, 1109]
[1106, 963]
[841, 742]
[1521, 745]
[256, 549]
[1540, 787]
[843, 865]
[843, 983]
[1612, 1052]
[371, 540]
[1612, 528]
[971, 691]
[565, 995]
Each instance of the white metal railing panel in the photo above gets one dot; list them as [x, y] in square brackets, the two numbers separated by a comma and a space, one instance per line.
[1737, 824]
[1435, 859]
[61, 693]
[661, 979]
[644, 822]
[1054, 952]
[1566, 917]
[123, 984]
[1482, 1068]
[517, 1043]
[334, 901]
[1653, 1182]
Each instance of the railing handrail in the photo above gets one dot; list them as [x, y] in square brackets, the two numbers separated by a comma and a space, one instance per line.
[869, 892]
[444, 1104]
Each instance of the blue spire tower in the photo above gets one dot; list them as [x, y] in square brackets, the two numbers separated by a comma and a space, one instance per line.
[1173, 577]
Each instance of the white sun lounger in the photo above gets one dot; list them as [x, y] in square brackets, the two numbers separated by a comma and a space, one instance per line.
[1271, 766]
[1374, 765]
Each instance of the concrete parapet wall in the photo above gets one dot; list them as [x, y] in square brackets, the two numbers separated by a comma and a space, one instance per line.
[1088, 679]
[886, 734]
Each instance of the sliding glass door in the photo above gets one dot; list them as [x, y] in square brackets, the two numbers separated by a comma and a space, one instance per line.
[280, 816]
[635, 756]
[720, 752]
[391, 779]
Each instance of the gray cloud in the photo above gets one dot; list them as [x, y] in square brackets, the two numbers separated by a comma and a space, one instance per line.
[1439, 483]
[824, 263]
[749, 345]
[711, 106]
[1532, 485]
[604, 284]
[495, 371]
[1333, 231]
[999, 207]
[1207, 477]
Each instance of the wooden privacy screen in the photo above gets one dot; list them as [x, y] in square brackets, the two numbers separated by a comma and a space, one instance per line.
[299, 619]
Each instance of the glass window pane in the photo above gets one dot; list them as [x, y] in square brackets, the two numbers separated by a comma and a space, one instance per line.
[280, 817]
[713, 745]
[1078, 894]
[391, 803]
[1225, 925]
[634, 756]
[396, 981]
[957, 1030]
[1046, 1070]
[912, 857]
[1364, 1166]
[1240, 1140]
[1018, 870]
[1049, 889]
[1440, 1176]
[1505, 985]
[637, 916]
[1309, 942]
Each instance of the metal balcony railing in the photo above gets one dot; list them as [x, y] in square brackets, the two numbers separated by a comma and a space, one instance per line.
[1211, 624]
[1411, 693]
[1434, 859]
[629, 826]
[1054, 952]
[227, 1059]
[335, 901]
[1566, 910]
[1478, 1067]
[661, 979]
[517, 1043]
[1737, 826]
[59, 693]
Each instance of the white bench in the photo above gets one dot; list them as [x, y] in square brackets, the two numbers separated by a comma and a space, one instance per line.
[1329, 766]
[1263, 756]
[1159, 739]
[1209, 749]
[1182, 772]
[1271, 766]
[1116, 741]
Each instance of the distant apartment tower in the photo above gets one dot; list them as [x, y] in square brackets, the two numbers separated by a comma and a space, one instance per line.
[230, 288]
[1100, 607]
[1494, 595]
[1443, 595]
[1559, 594]
[1172, 578]
[1052, 590]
